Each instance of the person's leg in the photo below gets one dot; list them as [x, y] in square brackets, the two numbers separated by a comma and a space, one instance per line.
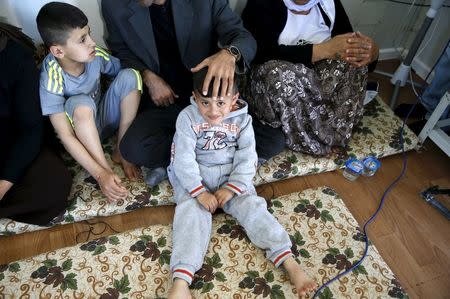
[41, 194]
[149, 138]
[191, 234]
[267, 233]
[81, 111]
[117, 110]
[269, 141]
[341, 105]
[262, 228]
[440, 84]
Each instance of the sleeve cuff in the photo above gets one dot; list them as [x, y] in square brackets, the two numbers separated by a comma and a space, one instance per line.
[234, 188]
[197, 191]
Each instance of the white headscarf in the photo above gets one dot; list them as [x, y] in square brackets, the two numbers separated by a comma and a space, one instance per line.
[292, 6]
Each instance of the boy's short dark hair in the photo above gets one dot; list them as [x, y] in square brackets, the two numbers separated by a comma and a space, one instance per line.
[199, 77]
[56, 20]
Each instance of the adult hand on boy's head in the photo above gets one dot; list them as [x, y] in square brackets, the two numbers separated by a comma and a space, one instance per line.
[221, 67]
[208, 201]
[160, 92]
[223, 196]
[111, 186]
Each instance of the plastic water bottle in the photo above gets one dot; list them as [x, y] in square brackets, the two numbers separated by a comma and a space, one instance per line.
[353, 169]
[371, 164]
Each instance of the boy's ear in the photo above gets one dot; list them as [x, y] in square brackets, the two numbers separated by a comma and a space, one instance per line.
[56, 51]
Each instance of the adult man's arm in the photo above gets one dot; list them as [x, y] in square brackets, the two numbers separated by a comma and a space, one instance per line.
[159, 91]
[116, 43]
[222, 65]
[231, 31]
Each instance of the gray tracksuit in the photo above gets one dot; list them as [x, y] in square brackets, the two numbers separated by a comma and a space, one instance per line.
[61, 92]
[206, 158]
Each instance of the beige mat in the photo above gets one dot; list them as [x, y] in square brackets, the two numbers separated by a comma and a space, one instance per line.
[134, 264]
[377, 134]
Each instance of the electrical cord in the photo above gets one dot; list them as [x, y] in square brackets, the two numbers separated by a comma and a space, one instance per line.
[90, 231]
[403, 27]
[436, 22]
[383, 198]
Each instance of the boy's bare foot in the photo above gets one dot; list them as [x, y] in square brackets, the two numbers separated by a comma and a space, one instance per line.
[132, 172]
[302, 282]
[179, 290]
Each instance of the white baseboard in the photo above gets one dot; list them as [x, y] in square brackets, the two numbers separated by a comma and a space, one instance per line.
[421, 69]
[390, 53]
[417, 65]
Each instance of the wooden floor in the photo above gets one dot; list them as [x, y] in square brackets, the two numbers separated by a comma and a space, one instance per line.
[412, 237]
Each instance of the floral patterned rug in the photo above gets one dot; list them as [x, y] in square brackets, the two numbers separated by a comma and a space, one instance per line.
[326, 241]
[377, 134]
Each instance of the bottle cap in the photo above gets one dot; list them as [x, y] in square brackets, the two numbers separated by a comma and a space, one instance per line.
[371, 163]
[354, 165]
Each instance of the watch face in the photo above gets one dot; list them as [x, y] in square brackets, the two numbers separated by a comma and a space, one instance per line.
[234, 51]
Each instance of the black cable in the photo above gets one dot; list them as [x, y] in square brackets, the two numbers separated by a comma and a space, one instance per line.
[90, 231]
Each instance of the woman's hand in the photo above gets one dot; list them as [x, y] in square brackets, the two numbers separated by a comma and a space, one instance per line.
[355, 48]
[361, 50]
[335, 48]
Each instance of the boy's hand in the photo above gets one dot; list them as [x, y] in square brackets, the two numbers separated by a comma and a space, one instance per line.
[208, 201]
[223, 196]
[111, 186]
[158, 89]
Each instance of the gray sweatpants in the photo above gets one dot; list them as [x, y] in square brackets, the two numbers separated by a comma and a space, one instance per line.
[192, 224]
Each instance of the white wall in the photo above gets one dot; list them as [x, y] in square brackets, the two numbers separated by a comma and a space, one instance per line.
[393, 26]
[388, 23]
[23, 13]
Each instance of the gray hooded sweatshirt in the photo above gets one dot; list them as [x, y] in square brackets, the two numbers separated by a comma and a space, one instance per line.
[198, 145]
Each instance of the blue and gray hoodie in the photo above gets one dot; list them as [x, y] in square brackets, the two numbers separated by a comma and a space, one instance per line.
[197, 144]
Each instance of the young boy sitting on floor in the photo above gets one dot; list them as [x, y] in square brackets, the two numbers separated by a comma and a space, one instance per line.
[70, 94]
[213, 163]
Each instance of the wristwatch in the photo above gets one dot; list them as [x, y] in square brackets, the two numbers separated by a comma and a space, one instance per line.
[233, 50]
